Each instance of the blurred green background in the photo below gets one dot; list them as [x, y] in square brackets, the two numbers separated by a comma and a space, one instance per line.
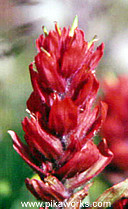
[20, 23]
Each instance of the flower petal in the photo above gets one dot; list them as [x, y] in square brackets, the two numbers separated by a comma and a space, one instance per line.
[99, 121]
[45, 143]
[39, 189]
[105, 157]
[95, 57]
[77, 198]
[49, 189]
[24, 152]
[63, 116]
[86, 121]
[47, 68]
[90, 122]
[36, 83]
[50, 43]
[82, 87]
[74, 54]
[34, 103]
[81, 161]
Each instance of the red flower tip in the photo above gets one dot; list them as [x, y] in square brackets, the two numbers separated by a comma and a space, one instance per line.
[103, 147]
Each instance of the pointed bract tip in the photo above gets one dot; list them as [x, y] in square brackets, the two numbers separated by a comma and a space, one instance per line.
[57, 28]
[74, 26]
[14, 136]
[94, 39]
[35, 176]
[11, 133]
[45, 30]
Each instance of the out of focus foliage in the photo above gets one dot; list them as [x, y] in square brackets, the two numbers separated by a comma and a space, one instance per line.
[21, 23]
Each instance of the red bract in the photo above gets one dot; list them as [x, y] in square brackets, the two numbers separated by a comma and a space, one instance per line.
[121, 204]
[115, 128]
[62, 122]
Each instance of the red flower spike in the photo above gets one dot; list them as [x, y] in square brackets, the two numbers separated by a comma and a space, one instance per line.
[115, 128]
[58, 135]
[121, 204]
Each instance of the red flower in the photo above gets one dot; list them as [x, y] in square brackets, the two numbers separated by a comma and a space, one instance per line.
[121, 204]
[115, 128]
[58, 135]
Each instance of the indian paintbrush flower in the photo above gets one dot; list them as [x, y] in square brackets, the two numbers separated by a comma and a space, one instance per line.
[59, 133]
[115, 128]
[121, 204]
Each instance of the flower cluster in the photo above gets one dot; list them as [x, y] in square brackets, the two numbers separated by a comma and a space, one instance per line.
[115, 128]
[63, 121]
[121, 204]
